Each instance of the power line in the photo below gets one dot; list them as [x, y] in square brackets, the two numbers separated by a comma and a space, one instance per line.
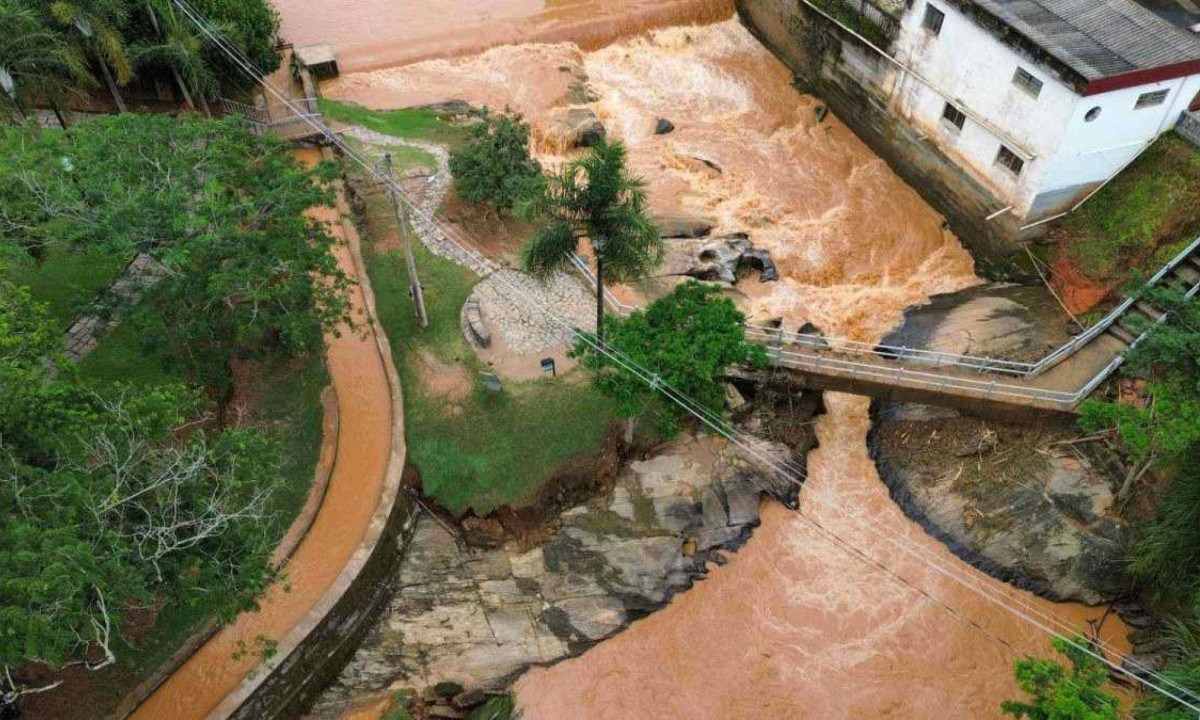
[707, 417]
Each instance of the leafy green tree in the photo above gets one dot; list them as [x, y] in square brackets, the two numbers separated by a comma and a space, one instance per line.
[253, 27]
[248, 272]
[1164, 558]
[36, 62]
[494, 165]
[178, 48]
[99, 27]
[1057, 693]
[1169, 357]
[109, 505]
[593, 197]
[687, 339]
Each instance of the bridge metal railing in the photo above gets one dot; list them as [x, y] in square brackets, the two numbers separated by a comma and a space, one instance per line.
[1111, 318]
[261, 119]
[818, 353]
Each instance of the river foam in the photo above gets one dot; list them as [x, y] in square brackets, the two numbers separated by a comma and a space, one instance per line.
[848, 610]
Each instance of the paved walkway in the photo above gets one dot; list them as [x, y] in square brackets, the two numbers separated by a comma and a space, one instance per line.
[365, 457]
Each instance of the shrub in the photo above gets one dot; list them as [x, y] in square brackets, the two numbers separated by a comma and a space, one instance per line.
[494, 165]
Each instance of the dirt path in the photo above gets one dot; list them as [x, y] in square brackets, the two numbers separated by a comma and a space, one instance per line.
[360, 378]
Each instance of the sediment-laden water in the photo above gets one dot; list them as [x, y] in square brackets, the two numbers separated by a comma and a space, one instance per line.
[848, 610]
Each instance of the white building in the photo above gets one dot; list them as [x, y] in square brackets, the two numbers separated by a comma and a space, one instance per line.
[1040, 100]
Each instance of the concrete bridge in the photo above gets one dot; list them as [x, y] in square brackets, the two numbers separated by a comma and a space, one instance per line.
[1058, 382]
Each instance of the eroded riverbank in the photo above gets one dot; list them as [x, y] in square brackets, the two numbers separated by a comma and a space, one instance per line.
[863, 615]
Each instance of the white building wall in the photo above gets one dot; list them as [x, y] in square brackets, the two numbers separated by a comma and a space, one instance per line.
[1091, 151]
[1063, 152]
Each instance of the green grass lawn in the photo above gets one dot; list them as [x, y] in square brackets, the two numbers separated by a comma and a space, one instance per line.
[1142, 218]
[410, 123]
[68, 281]
[487, 449]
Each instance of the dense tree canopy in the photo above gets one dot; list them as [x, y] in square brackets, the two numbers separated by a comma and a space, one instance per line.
[223, 210]
[109, 505]
[52, 50]
[120, 496]
[687, 340]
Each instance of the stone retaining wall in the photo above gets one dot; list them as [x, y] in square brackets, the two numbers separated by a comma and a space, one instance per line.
[812, 46]
[315, 651]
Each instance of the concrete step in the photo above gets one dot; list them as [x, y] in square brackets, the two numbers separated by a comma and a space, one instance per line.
[1189, 274]
[1121, 334]
[1150, 310]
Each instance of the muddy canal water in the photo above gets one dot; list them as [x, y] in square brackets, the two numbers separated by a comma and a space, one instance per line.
[848, 610]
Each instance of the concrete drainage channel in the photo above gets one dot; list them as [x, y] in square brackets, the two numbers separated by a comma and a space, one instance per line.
[311, 651]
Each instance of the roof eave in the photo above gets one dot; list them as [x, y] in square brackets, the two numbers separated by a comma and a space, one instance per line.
[1146, 76]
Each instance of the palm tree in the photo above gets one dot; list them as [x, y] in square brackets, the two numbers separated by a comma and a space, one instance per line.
[180, 50]
[99, 24]
[36, 62]
[593, 197]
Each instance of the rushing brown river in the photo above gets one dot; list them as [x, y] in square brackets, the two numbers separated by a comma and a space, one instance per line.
[849, 610]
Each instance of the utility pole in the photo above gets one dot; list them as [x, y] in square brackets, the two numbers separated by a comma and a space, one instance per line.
[414, 282]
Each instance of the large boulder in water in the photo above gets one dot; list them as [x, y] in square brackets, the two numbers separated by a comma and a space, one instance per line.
[575, 127]
[683, 225]
[1013, 322]
[718, 259]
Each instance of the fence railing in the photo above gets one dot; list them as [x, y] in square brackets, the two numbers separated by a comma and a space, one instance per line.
[819, 352]
[300, 110]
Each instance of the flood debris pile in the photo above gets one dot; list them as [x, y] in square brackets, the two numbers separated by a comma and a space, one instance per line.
[479, 616]
[1024, 503]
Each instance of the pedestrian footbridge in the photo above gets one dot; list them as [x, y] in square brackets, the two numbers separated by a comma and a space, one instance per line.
[1058, 382]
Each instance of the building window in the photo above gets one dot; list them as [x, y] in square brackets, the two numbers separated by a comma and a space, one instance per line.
[954, 116]
[1150, 99]
[933, 19]
[1027, 82]
[1008, 160]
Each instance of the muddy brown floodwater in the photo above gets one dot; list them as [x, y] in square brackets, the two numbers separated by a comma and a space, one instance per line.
[369, 34]
[797, 625]
[364, 443]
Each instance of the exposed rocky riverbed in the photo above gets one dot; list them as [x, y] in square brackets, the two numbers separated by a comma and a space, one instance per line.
[1025, 502]
[479, 616]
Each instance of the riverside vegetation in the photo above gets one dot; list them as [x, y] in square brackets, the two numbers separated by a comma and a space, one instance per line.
[149, 483]
[56, 53]
[1135, 224]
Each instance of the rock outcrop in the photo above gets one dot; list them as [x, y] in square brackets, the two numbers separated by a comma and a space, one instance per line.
[1014, 322]
[574, 127]
[1018, 501]
[479, 617]
[683, 225]
[718, 259]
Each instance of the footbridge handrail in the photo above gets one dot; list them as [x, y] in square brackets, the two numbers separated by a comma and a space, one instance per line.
[935, 358]
[1111, 318]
